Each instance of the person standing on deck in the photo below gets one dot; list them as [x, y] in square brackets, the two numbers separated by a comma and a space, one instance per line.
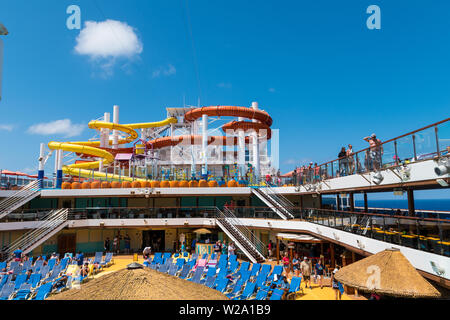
[350, 160]
[342, 162]
[375, 152]
[306, 272]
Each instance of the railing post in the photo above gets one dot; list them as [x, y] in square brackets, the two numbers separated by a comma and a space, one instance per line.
[437, 141]
[414, 146]
[396, 153]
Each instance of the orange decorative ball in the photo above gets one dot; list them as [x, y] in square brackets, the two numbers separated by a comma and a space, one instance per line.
[174, 184]
[193, 184]
[126, 184]
[136, 184]
[155, 184]
[76, 185]
[106, 185]
[165, 184]
[66, 185]
[116, 184]
[145, 184]
[232, 184]
[95, 185]
[184, 184]
[213, 184]
[203, 184]
[85, 185]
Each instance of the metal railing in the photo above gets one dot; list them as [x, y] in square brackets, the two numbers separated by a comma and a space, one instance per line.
[19, 198]
[282, 210]
[422, 144]
[280, 200]
[426, 234]
[48, 225]
[247, 235]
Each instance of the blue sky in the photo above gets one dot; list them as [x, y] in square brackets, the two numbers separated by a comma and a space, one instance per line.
[325, 78]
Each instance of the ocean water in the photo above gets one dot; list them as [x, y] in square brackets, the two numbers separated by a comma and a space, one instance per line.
[420, 204]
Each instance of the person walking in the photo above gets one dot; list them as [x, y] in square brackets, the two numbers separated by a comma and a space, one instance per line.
[224, 247]
[286, 263]
[127, 243]
[306, 272]
[318, 271]
[231, 249]
[107, 244]
[335, 284]
[116, 244]
[296, 265]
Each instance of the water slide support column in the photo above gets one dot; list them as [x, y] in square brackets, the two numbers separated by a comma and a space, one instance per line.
[205, 144]
[104, 139]
[241, 151]
[41, 166]
[255, 145]
[55, 169]
[115, 144]
[59, 172]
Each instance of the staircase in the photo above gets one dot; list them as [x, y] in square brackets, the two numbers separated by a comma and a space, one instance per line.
[277, 202]
[51, 224]
[249, 244]
[19, 198]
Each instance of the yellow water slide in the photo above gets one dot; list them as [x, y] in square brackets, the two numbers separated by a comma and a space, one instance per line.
[91, 148]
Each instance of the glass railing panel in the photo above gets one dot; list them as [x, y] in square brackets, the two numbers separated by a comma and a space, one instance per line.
[425, 142]
[405, 149]
[444, 137]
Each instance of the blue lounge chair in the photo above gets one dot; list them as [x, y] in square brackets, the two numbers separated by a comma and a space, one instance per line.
[23, 293]
[26, 266]
[4, 279]
[255, 269]
[184, 271]
[165, 267]
[17, 270]
[261, 279]
[277, 270]
[277, 294]
[180, 262]
[157, 257]
[44, 271]
[194, 256]
[223, 262]
[173, 269]
[233, 265]
[3, 265]
[37, 266]
[166, 256]
[34, 280]
[13, 264]
[51, 263]
[64, 263]
[210, 273]
[197, 275]
[6, 291]
[294, 288]
[43, 291]
[21, 278]
[265, 268]
[205, 256]
[98, 257]
[248, 291]
[262, 293]
[222, 284]
[244, 267]
[192, 263]
[210, 281]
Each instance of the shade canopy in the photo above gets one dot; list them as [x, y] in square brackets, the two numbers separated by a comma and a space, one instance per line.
[202, 231]
[387, 272]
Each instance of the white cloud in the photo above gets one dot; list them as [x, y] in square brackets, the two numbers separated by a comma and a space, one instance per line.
[224, 85]
[63, 127]
[108, 39]
[6, 127]
[169, 71]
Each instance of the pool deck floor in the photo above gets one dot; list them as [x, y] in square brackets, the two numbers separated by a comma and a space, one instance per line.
[326, 293]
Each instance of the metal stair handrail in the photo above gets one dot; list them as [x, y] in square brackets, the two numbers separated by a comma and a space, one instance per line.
[23, 194]
[272, 198]
[48, 223]
[249, 235]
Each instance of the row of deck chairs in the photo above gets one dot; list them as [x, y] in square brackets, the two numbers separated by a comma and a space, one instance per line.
[43, 277]
[236, 280]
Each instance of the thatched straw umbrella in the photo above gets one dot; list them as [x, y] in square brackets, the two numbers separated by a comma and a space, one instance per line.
[389, 273]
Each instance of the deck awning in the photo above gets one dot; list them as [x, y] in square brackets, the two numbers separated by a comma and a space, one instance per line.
[298, 238]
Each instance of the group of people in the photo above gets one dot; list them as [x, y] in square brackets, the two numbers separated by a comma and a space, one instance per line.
[347, 163]
[309, 268]
[222, 248]
[116, 244]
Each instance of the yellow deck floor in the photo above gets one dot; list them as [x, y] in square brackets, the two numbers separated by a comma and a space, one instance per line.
[327, 293]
